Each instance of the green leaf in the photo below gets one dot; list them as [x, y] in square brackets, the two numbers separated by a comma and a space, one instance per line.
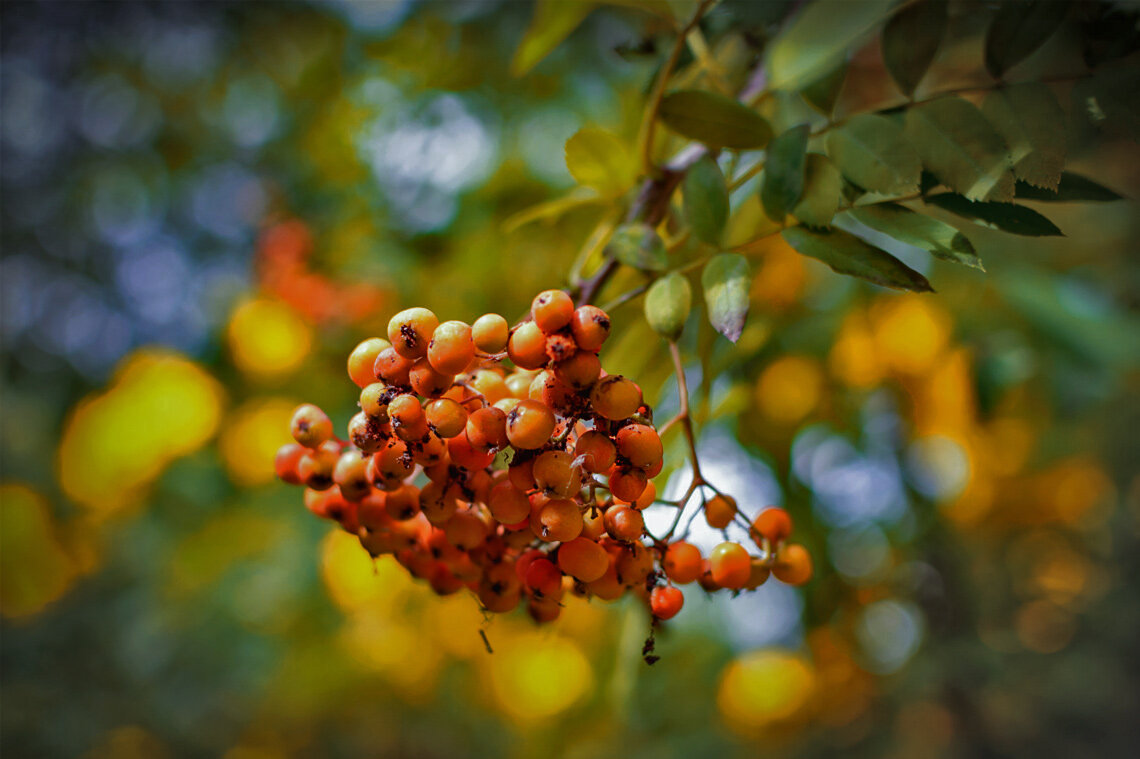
[552, 209]
[1007, 217]
[1032, 122]
[910, 42]
[818, 40]
[1018, 29]
[667, 305]
[873, 153]
[961, 148]
[1072, 187]
[823, 92]
[783, 182]
[706, 200]
[726, 281]
[847, 254]
[823, 187]
[639, 246]
[600, 160]
[919, 230]
[715, 120]
[553, 21]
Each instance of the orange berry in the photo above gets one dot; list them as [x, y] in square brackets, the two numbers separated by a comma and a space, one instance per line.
[446, 417]
[438, 503]
[607, 587]
[521, 475]
[623, 523]
[720, 510]
[390, 465]
[615, 397]
[639, 443]
[487, 429]
[683, 562]
[634, 563]
[627, 483]
[645, 500]
[407, 416]
[591, 327]
[758, 575]
[374, 400]
[730, 564]
[490, 333]
[530, 425]
[403, 502]
[554, 472]
[557, 395]
[430, 451]
[372, 511]
[598, 450]
[580, 371]
[349, 475]
[465, 530]
[464, 454]
[583, 559]
[362, 360]
[552, 310]
[559, 521]
[666, 601]
[518, 383]
[491, 384]
[310, 426]
[368, 434]
[426, 381]
[527, 346]
[543, 577]
[773, 523]
[594, 523]
[317, 464]
[451, 348]
[410, 331]
[286, 460]
[508, 504]
[793, 564]
[393, 368]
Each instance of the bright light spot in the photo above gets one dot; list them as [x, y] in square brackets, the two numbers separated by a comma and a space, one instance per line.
[160, 406]
[267, 338]
[789, 388]
[938, 467]
[354, 580]
[764, 687]
[539, 676]
[889, 633]
[911, 332]
[34, 568]
[252, 436]
[860, 554]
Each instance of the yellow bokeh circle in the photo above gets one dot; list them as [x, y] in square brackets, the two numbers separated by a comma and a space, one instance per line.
[267, 338]
[764, 687]
[789, 388]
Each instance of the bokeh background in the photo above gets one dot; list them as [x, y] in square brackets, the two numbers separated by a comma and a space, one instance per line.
[206, 205]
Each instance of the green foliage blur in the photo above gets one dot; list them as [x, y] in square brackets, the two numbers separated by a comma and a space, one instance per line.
[205, 206]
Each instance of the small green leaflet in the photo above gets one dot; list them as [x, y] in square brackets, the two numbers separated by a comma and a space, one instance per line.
[1018, 29]
[847, 254]
[873, 153]
[783, 182]
[600, 160]
[823, 187]
[667, 305]
[819, 38]
[1073, 187]
[553, 22]
[726, 281]
[1007, 217]
[919, 230]
[706, 200]
[1032, 122]
[822, 93]
[715, 120]
[910, 42]
[961, 148]
[639, 246]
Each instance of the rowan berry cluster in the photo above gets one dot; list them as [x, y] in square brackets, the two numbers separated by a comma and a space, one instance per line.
[520, 484]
